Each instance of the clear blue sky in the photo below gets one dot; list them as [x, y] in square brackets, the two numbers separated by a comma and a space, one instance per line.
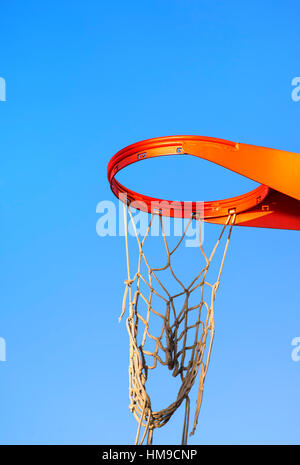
[85, 79]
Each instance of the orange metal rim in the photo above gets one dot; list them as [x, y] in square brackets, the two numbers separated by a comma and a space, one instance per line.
[274, 204]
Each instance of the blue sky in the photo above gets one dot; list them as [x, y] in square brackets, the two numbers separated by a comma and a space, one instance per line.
[85, 79]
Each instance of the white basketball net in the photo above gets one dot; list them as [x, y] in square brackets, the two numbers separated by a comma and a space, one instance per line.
[172, 346]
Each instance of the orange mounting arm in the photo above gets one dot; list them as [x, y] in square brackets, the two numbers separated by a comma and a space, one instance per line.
[274, 204]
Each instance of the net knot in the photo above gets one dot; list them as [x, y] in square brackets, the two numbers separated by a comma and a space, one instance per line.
[128, 282]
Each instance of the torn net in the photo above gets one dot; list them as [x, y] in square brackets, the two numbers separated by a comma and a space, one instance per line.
[184, 341]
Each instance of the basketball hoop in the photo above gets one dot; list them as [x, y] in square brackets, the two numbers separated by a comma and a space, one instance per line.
[274, 204]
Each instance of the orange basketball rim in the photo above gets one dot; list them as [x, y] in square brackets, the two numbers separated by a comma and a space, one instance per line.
[274, 204]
